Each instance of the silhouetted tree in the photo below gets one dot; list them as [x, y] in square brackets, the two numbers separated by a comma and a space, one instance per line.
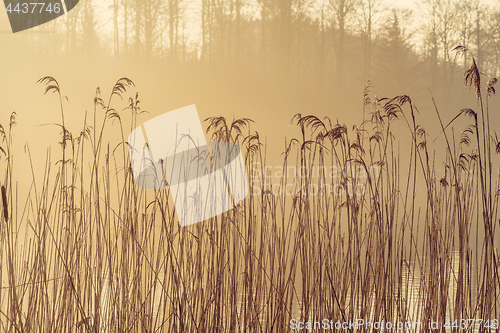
[370, 13]
[342, 11]
[396, 63]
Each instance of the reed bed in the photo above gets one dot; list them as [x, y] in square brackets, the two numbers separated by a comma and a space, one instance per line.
[385, 239]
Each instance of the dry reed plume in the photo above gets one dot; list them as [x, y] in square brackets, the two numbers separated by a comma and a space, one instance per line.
[100, 254]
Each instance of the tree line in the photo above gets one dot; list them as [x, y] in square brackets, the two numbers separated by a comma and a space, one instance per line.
[330, 44]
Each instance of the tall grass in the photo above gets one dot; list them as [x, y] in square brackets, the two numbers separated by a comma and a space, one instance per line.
[89, 251]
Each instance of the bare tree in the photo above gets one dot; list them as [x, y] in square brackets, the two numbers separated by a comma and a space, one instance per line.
[465, 26]
[206, 29]
[222, 14]
[125, 22]
[342, 11]
[137, 25]
[300, 9]
[440, 28]
[90, 40]
[239, 5]
[431, 30]
[282, 15]
[174, 12]
[481, 36]
[322, 11]
[116, 29]
[146, 17]
[370, 13]
[395, 64]
[493, 45]
[152, 12]
[72, 19]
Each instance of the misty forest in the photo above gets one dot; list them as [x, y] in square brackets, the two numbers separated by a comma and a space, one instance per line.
[328, 47]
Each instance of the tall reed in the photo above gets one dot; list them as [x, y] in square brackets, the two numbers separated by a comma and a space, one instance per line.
[347, 227]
